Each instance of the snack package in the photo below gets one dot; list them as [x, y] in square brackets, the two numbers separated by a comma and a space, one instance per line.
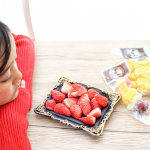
[136, 102]
[139, 62]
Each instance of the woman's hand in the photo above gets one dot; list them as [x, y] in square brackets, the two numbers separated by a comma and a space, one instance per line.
[22, 84]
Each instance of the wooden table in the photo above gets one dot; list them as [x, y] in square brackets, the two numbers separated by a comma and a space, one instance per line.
[83, 62]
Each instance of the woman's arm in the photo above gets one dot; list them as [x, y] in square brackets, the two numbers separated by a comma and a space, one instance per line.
[26, 59]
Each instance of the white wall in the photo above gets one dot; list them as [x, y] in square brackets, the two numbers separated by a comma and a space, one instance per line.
[11, 13]
[57, 20]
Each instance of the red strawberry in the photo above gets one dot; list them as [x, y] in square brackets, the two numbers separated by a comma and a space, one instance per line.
[85, 106]
[76, 111]
[70, 101]
[84, 96]
[95, 104]
[95, 113]
[57, 96]
[65, 87]
[62, 109]
[79, 89]
[63, 102]
[72, 93]
[88, 120]
[103, 101]
[92, 93]
[50, 104]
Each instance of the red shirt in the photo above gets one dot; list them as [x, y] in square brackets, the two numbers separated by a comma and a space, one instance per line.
[13, 116]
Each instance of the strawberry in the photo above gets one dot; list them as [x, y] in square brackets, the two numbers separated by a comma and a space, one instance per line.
[79, 89]
[88, 120]
[95, 113]
[57, 96]
[70, 101]
[92, 93]
[85, 106]
[103, 101]
[84, 96]
[63, 102]
[50, 104]
[62, 109]
[95, 104]
[65, 87]
[72, 93]
[76, 111]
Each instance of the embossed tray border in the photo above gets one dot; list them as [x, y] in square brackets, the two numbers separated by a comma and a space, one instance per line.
[96, 130]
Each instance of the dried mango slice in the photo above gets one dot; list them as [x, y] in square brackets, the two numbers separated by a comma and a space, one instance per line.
[142, 88]
[132, 76]
[143, 80]
[120, 81]
[148, 64]
[131, 65]
[148, 87]
[146, 74]
[141, 84]
[128, 95]
[121, 86]
[136, 65]
[140, 63]
[140, 77]
[138, 71]
[133, 84]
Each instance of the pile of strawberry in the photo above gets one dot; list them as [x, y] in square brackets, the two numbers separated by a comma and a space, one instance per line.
[78, 101]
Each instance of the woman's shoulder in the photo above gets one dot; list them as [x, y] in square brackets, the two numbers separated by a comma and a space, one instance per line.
[24, 38]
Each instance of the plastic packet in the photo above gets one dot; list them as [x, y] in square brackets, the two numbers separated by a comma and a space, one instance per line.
[136, 103]
[138, 60]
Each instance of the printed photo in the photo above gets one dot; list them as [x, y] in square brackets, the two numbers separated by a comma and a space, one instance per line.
[113, 73]
[133, 53]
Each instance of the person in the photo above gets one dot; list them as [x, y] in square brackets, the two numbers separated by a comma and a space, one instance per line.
[17, 59]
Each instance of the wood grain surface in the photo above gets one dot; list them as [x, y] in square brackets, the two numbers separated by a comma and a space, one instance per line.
[83, 62]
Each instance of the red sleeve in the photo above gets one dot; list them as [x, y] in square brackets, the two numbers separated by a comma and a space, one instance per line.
[26, 59]
[14, 123]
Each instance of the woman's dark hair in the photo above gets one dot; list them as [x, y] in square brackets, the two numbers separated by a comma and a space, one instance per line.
[5, 46]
